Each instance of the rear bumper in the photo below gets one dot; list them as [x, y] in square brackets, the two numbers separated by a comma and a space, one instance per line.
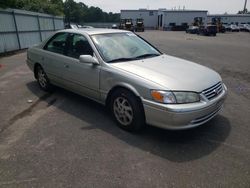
[183, 116]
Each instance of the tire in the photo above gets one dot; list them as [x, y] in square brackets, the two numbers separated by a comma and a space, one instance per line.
[42, 79]
[127, 110]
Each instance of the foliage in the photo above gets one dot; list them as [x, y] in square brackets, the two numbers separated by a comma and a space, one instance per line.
[80, 13]
[54, 7]
[244, 12]
[73, 12]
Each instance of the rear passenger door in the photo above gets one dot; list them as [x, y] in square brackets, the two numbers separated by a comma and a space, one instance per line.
[54, 54]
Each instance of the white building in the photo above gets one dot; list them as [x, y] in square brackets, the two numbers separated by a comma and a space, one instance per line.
[166, 19]
[231, 18]
[163, 18]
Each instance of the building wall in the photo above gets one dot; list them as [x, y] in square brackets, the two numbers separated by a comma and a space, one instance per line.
[21, 29]
[150, 16]
[178, 17]
[181, 17]
[231, 19]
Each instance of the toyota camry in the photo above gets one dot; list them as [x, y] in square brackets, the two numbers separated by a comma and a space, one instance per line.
[140, 84]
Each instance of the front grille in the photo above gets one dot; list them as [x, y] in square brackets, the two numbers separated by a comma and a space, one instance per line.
[213, 91]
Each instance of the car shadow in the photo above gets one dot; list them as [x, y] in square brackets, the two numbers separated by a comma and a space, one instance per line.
[176, 146]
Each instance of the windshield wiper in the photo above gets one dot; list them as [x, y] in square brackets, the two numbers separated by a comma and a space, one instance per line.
[146, 55]
[121, 59]
[131, 59]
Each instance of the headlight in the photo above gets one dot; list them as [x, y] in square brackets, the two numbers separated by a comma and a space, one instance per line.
[176, 97]
[187, 97]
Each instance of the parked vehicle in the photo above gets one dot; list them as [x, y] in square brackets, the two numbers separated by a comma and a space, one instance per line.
[198, 21]
[247, 28]
[129, 25]
[217, 21]
[76, 26]
[244, 27]
[234, 28]
[85, 26]
[241, 27]
[139, 25]
[122, 24]
[114, 26]
[227, 27]
[134, 79]
[71, 26]
[192, 30]
[208, 30]
[222, 29]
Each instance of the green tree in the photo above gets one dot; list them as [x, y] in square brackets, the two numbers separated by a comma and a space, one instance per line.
[81, 13]
[54, 7]
[244, 12]
[74, 12]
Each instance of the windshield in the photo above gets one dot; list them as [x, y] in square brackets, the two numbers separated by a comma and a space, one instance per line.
[115, 47]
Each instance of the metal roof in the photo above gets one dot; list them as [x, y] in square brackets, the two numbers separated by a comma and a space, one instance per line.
[138, 10]
[181, 10]
[229, 15]
[163, 10]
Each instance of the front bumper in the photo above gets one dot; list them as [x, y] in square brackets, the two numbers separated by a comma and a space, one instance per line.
[183, 116]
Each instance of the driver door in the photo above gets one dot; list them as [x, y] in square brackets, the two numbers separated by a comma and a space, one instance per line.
[82, 78]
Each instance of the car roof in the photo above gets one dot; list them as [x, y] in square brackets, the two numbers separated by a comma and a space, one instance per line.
[93, 31]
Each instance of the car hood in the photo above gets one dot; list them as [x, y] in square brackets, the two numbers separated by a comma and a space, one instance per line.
[172, 73]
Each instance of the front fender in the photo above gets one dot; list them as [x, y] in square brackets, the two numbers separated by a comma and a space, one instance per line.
[114, 78]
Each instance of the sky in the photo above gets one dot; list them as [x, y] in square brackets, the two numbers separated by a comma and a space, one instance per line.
[213, 6]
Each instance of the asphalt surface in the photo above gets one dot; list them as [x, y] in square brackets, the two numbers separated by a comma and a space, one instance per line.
[61, 139]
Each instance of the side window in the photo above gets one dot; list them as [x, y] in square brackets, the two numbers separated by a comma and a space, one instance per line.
[79, 46]
[57, 44]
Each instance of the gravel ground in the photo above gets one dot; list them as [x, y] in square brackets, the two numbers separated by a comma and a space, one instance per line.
[64, 140]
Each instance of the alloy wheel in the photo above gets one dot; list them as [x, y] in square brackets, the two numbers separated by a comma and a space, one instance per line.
[123, 111]
[42, 78]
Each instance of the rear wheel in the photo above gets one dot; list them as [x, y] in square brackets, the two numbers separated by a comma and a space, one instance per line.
[127, 110]
[42, 79]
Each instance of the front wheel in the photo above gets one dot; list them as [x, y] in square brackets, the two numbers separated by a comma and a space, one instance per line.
[127, 110]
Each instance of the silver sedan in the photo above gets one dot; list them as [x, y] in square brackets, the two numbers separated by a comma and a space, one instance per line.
[138, 83]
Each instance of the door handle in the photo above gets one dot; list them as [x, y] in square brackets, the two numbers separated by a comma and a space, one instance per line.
[66, 66]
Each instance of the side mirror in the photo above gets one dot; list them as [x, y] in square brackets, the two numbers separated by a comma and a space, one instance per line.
[88, 59]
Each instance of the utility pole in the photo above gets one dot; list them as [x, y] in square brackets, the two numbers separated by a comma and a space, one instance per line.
[245, 7]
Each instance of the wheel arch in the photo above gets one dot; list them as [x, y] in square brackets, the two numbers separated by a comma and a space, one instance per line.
[122, 86]
[35, 69]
